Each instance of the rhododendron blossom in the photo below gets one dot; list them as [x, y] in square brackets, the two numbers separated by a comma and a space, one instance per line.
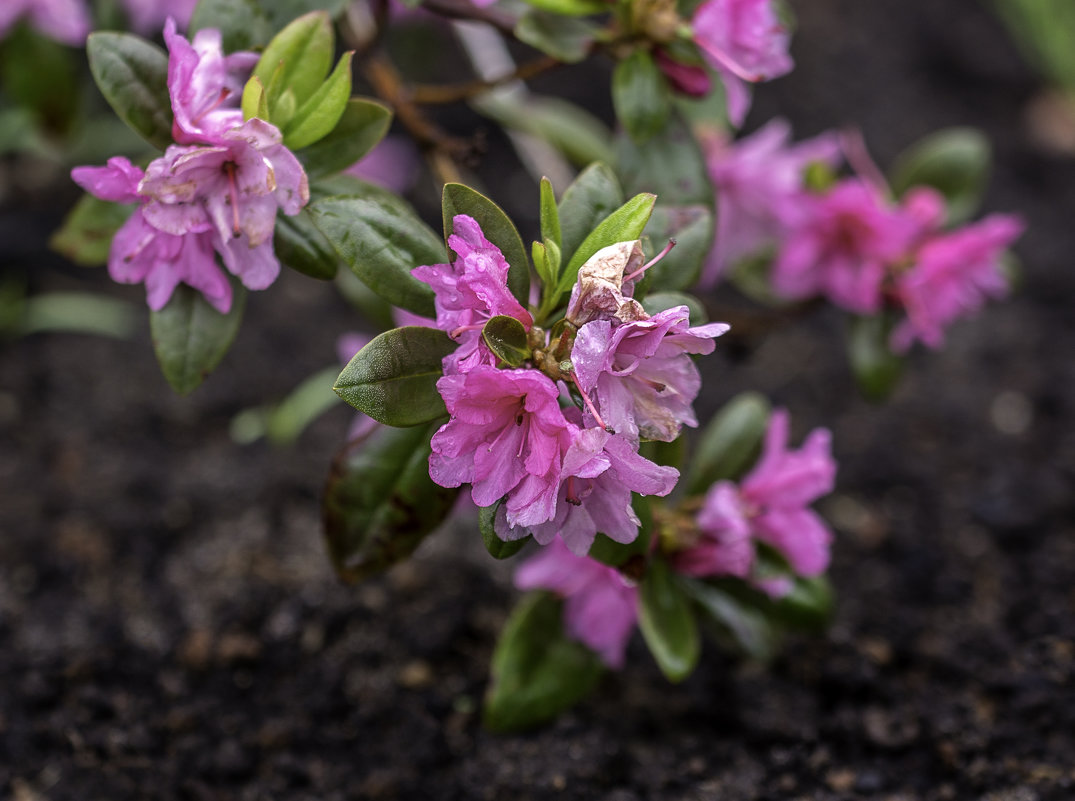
[769, 505]
[600, 603]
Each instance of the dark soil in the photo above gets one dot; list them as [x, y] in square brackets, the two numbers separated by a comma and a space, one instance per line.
[170, 627]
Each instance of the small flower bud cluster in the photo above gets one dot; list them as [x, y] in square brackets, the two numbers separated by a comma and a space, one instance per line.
[216, 193]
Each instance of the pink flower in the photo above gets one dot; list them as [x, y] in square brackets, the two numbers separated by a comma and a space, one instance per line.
[233, 188]
[206, 87]
[507, 437]
[744, 41]
[469, 292]
[842, 245]
[66, 21]
[769, 505]
[393, 164]
[599, 473]
[759, 186]
[147, 16]
[688, 79]
[952, 276]
[141, 253]
[641, 373]
[600, 604]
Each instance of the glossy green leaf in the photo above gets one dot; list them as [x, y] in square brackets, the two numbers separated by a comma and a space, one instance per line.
[320, 114]
[660, 301]
[746, 626]
[546, 270]
[86, 234]
[75, 313]
[382, 239]
[282, 12]
[594, 195]
[362, 125]
[298, 58]
[575, 132]
[506, 337]
[623, 225]
[666, 618]
[132, 74]
[567, 39]
[876, 368]
[498, 229]
[536, 672]
[379, 501]
[640, 96]
[302, 247]
[243, 24]
[394, 378]
[190, 337]
[570, 8]
[497, 548]
[692, 228]
[955, 161]
[255, 101]
[730, 443]
[670, 164]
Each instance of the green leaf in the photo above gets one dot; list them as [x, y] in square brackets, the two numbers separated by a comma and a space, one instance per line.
[730, 443]
[75, 313]
[362, 125]
[669, 164]
[546, 270]
[618, 554]
[506, 337]
[39, 73]
[809, 605]
[744, 625]
[302, 53]
[379, 501]
[692, 228]
[190, 337]
[955, 161]
[498, 229]
[243, 24]
[594, 195]
[132, 74]
[660, 301]
[550, 214]
[320, 114]
[876, 368]
[86, 234]
[640, 96]
[304, 404]
[567, 39]
[281, 12]
[623, 225]
[497, 548]
[302, 247]
[536, 672]
[381, 239]
[577, 133]
[255, 102]
[394, 378]
[666, 619]
[570, 8]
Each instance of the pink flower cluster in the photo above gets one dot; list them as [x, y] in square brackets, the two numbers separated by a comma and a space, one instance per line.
[68, 21]
[214, 194]
[851, 243]
[556, 471]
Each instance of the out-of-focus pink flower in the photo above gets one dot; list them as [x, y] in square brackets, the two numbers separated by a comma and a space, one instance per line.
[688, 79]
[769, 505]
[842, 245]
[206, 87]
[506, 436]
[600, 604]
[469, 292]
[745, 42]
[147, 16]
[393, 164]
[952, 276]
[641, 374]
[759, 186]
[66, 21]
[141, 253]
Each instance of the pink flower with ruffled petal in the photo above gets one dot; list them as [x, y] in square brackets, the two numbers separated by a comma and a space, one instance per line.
[600, 603]
[640, 374]
[206, 87]
[759, 186]
[506, 437]
[745, 42]
[469, 292]
[769, 505]
[953, 275]
[66, 21]
[842, 245]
